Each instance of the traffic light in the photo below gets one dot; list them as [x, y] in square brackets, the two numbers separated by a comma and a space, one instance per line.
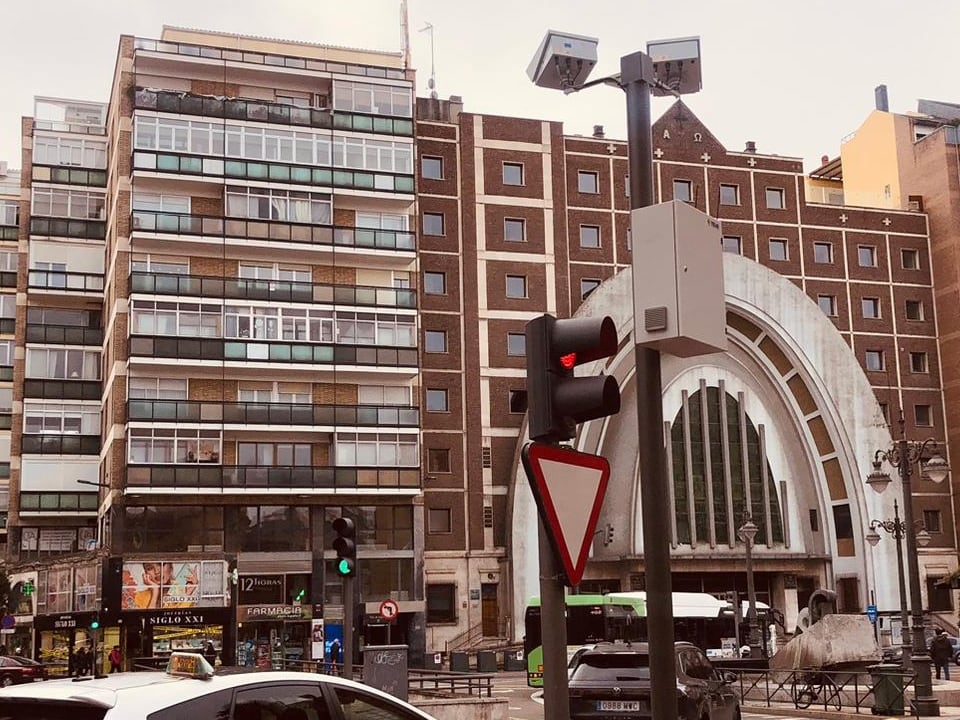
[557, 401]
[345, 547]
[95, 624]
[608, 534]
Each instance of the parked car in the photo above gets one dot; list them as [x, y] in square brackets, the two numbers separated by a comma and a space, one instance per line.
[15, 670]
[574, 659]
[191, 688]
[613, 681]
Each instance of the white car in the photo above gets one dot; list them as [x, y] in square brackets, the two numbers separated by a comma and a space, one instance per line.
[190, 690]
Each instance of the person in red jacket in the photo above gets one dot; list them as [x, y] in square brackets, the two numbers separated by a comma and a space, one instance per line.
[116, 660]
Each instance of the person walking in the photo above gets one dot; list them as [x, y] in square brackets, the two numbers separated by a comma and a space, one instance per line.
[941, 652]
[80, 661]
[116, 660]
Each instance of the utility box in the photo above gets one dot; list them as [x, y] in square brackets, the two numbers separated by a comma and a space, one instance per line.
[678, 297]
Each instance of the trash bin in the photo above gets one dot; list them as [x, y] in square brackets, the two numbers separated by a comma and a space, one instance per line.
[513, 660]
[486, 661]
[887, 681]
[459, 662]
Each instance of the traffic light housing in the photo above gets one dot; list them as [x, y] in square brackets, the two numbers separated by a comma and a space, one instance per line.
[95, 624]
[556, 400]
[345, 547]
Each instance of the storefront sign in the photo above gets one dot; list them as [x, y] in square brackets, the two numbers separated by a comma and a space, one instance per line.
[177, 619]
[63, 621]
[253, 613]
[260, 589]
[149, 585]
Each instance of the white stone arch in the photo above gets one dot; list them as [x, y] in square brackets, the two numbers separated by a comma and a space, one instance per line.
[817, 353]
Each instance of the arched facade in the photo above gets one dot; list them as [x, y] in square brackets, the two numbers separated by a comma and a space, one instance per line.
[793, 440]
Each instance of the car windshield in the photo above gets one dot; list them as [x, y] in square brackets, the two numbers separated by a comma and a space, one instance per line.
[613, 666]
[21, 709]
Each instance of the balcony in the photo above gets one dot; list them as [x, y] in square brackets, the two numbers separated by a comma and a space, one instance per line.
[43, 444]
[188, 51]
[331, 235]
[64, 335]
[274, 290]
[8, 278]
[261, 111]
[77, 128]
[69, 175]
[228, 478]
[69, 228]
[257, 413]
[193, 348]
[205, 166]
[9, 232]
[62, 389]
[54, 502]
[66, 281]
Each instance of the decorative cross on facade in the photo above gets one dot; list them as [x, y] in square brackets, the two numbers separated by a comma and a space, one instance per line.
[659, 153]
[751, 162]
[843, 218]
[611, 148]
[887, 221]
[705, 157]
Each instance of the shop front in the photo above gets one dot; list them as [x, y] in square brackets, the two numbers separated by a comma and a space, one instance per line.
[22, 605]
[170, 605]
[274, 637]
[58, 637]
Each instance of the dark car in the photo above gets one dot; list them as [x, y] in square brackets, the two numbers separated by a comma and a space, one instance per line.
[15, 670]
[612, 682]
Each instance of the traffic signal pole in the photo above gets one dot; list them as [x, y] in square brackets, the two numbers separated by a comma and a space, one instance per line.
[553, 633]
[636, 77]
[348, 620]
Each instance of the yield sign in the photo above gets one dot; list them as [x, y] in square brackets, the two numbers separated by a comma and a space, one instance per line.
[568, 487]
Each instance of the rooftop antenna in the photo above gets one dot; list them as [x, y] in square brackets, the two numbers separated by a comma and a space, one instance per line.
[432, 82]
[405, 34]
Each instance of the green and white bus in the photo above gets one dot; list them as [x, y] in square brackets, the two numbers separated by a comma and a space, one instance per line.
[590, 618]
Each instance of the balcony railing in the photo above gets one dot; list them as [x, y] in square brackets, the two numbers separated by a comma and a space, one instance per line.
[65, 280]
[60, 444]
[258, 413]
[280, 61]
[6, 419]
[64, 335]
[6, 373]
[67, 227]
[275, 290]
[70, 175]
[270, 230]
[9, 232]
[261, 111]
[8, 326]
[206, 166]
[248, 477]
[62, 389]
[8, 278]
[271, 351]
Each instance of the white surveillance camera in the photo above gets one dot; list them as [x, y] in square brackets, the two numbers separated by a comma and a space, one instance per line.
[563, 61]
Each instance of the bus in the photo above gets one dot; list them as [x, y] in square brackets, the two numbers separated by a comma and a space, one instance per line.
[590, 618]
[700, 618]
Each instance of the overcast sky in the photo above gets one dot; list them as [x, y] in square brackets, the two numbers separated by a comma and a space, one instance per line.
[794, 77]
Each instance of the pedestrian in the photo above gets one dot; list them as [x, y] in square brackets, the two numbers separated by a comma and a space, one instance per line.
[335, 656]
[80, 661]
[210, 653]
[115, 659]
[941, 652]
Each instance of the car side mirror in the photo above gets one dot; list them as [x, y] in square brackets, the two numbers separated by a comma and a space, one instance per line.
[729, 677]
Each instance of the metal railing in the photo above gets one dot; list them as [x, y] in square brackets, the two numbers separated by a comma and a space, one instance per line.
[444, 682]
[228, 478]
[63, 334]
[65, 280]
[253, 229]
[70, 175]
[829, 690]
[68, 227]
[275, 290]
[264, 413]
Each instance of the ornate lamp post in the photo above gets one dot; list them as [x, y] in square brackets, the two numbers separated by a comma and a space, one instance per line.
[747, 532]
[897, 528]
[903, 455]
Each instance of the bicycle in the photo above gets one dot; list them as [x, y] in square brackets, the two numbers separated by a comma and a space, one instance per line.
[815, 687]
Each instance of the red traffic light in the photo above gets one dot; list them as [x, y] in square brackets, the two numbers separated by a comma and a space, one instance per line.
[568, 361]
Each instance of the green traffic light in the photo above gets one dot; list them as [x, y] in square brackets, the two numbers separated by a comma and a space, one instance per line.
[345, 567]
[95, 624]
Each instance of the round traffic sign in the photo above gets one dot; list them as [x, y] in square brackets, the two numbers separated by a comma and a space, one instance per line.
[389, 610]
[7, 622]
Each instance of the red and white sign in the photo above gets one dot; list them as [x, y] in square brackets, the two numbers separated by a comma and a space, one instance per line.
[389, 610]
[569, 487]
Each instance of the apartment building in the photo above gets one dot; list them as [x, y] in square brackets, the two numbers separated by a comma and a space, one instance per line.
[832, 332]
[221, 351]
[9, 238]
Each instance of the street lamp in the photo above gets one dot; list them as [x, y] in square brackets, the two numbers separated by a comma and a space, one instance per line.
[897, 528]
[903, 455]
[669, 67]
[747, 532]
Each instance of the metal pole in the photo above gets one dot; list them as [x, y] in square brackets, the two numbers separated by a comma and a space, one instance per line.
[898, 533]
[553, 633]
[636, 74]
[348, 618]
[925, 703]
[754, 630]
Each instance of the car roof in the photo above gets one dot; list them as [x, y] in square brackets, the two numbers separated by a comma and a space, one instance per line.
[640, 648]
[148, 692]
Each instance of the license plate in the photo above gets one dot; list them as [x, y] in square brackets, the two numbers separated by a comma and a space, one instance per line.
[618, 705]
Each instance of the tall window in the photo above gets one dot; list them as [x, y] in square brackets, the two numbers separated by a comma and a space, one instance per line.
[441, 603]
[512, 173]
[683, 190]
[729, 194]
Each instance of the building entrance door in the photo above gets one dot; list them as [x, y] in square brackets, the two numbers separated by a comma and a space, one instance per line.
[489, 610]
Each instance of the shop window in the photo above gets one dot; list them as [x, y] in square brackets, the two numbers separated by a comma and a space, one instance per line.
[184, 528]
[273, 528]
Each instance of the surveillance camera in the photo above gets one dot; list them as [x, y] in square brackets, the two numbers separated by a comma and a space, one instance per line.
[563, 61]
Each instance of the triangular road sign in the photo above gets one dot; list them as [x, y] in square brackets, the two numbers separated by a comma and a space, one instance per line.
[569, 487]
